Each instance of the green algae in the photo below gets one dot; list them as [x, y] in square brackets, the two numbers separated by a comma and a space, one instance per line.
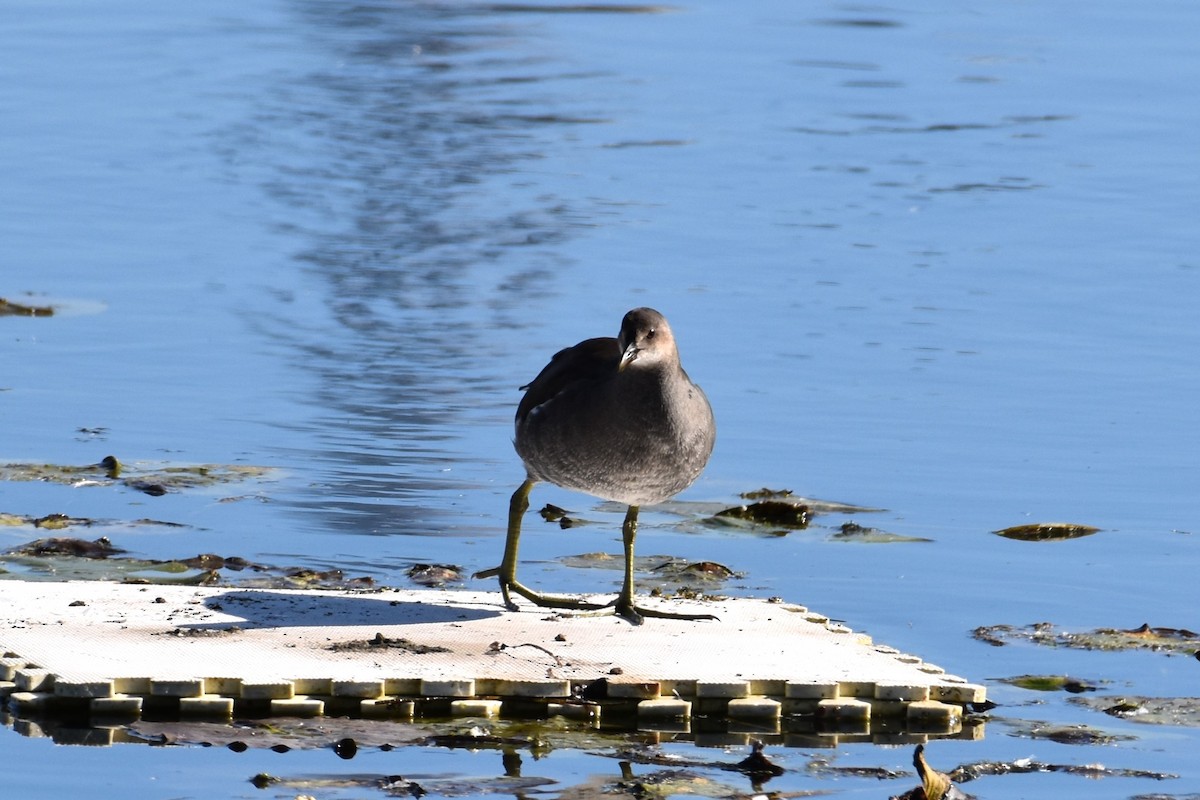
[153, 478]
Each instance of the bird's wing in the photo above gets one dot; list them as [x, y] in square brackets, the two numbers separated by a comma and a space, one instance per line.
[587, 361]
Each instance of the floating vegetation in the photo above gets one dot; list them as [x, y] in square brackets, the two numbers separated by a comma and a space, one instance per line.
[780, 510]
[305, 578]
[853, 532]
[1051, 683]
[667, 783]
[59, 567]
[56, 522]
[1164, 640]
[62, 522]
[643, 771]
[79, 548]
[824, 769]
[702, 571]
[434, 574]
[1046, 531]
[398, 786]
[610, 561]
[766, 494]
[1080, 735]
[65, 559]
[1178, 711]
[1025, 766]
[667, 575]
[10, 309]
[154, 479]
[772, 513]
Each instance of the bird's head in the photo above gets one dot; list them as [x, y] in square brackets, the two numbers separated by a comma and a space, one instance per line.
[645, 340]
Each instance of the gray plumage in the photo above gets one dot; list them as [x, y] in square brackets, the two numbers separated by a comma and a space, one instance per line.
[618, 419]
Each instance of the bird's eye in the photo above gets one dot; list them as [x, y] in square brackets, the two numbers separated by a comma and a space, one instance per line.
[650, 333]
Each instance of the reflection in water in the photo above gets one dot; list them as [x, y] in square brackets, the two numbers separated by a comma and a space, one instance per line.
[415, 107]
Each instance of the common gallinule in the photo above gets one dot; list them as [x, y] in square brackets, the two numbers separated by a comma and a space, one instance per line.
[618, 419]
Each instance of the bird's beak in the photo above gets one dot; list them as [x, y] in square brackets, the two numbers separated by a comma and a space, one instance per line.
[628, 357]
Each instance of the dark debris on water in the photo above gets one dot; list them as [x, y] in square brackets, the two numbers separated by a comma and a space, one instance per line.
[1177, 641]
[775, 513]
[8, 308]
[155, 479]
[65, 558]
[1046, 531]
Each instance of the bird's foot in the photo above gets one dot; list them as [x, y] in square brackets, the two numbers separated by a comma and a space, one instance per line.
[544, 600]
[492, 573]
[636, 614]
[620, 607]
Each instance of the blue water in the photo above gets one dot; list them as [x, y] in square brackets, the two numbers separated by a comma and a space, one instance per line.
[939, 259]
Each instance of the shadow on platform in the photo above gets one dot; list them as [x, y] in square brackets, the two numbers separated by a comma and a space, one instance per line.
[266, 608]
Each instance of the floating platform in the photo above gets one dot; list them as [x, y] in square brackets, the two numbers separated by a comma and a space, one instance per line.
[118, 651]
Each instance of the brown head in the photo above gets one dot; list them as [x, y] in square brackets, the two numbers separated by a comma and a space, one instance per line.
[646, 341]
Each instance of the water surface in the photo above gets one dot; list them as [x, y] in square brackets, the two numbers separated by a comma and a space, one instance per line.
[935, 259]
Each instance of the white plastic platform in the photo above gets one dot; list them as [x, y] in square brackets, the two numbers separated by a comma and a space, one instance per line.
[119, 649]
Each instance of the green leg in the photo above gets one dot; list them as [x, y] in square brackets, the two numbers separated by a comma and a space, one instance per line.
[508, 565]
[624, 606]
[507, 571]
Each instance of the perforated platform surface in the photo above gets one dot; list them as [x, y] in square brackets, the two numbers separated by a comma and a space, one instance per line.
[116, 648]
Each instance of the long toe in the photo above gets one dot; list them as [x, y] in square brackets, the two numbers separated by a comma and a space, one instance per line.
[546, 600]
[635, 615]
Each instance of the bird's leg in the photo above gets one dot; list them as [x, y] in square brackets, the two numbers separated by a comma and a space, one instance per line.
[508, 564]
[624, 605]
[507, 571]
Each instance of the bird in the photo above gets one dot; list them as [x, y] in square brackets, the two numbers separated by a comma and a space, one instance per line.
[616, 418]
